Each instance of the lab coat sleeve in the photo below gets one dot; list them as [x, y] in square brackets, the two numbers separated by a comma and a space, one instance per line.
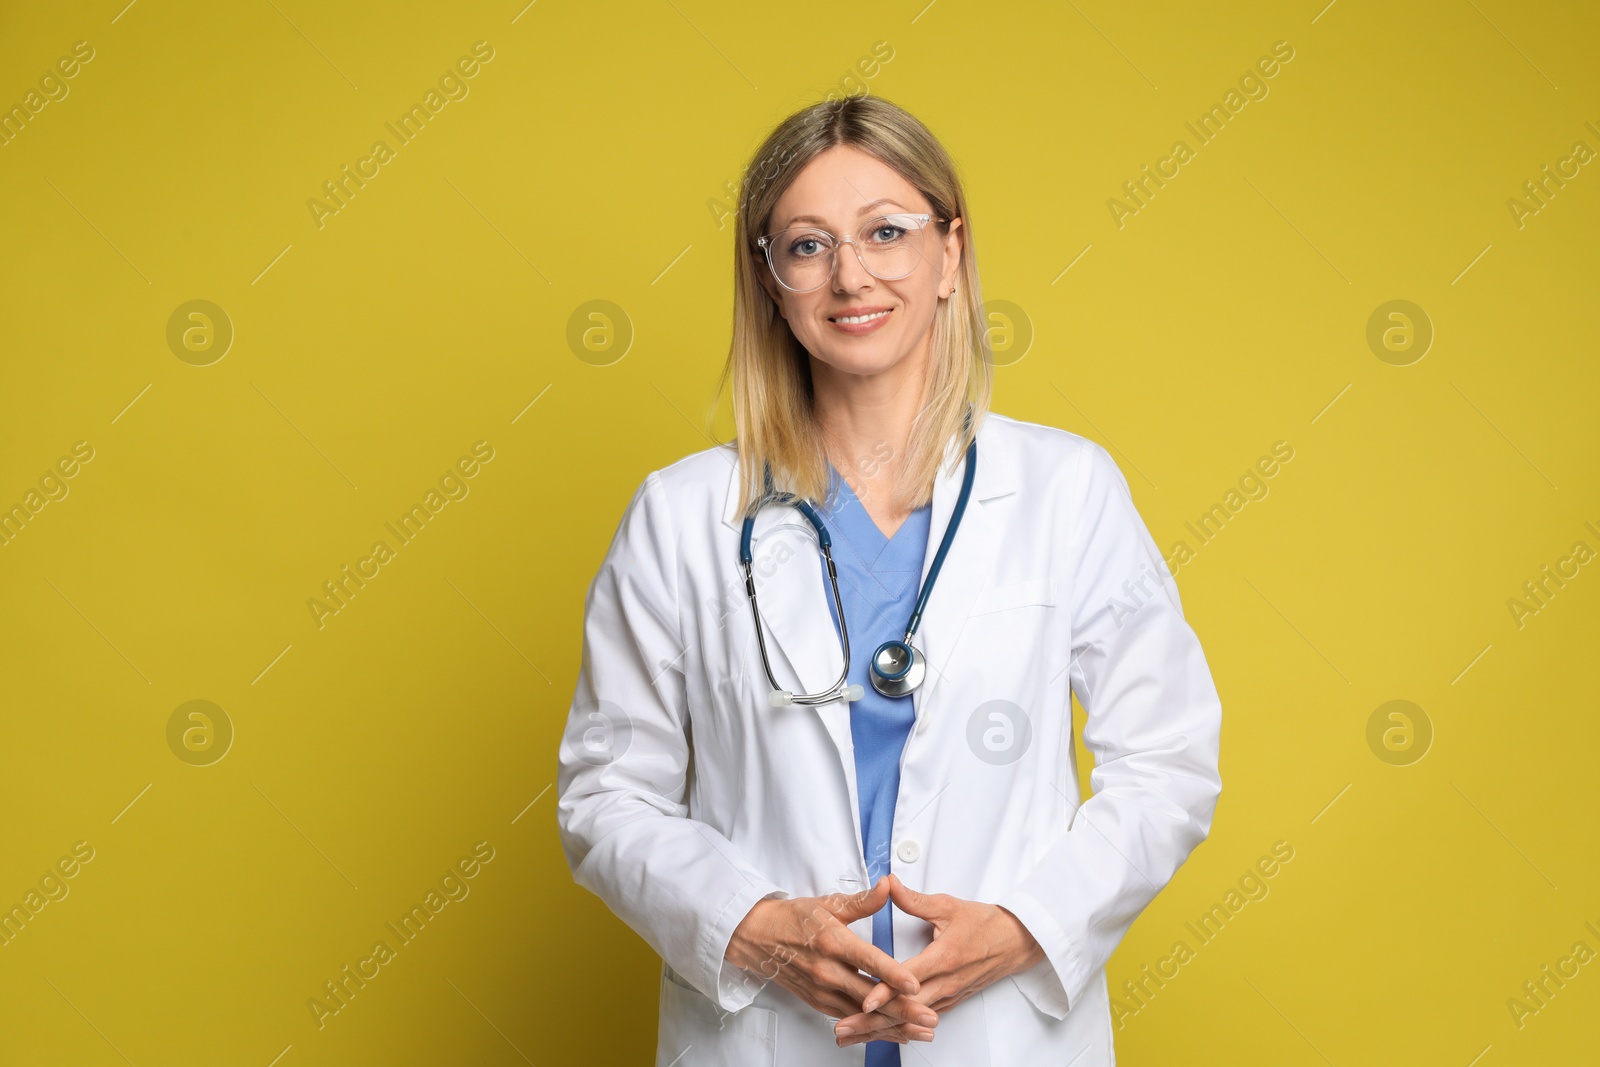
[624, 767]
[1153, 724]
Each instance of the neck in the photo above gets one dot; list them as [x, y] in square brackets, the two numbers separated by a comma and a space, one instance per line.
[865, 419]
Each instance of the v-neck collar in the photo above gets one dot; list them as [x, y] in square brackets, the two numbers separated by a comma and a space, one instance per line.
[877, 551]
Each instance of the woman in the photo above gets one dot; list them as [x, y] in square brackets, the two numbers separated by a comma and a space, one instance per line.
[823, 859]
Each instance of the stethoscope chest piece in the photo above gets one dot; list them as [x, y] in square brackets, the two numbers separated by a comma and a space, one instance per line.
[897, 668]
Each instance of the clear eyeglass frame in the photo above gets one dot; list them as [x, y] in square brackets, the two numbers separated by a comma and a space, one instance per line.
[766, 242]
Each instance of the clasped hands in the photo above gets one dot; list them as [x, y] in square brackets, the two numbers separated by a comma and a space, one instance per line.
[805, 945]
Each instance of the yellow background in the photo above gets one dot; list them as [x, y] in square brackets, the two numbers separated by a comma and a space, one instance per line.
[587, 163]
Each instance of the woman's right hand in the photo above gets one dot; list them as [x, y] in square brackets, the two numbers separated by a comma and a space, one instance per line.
[805, 945]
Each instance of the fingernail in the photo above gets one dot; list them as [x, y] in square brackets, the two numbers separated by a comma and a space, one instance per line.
[843, 1030]
[924, 1037]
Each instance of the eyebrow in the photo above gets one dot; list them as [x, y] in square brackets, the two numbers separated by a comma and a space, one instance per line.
[864, 209]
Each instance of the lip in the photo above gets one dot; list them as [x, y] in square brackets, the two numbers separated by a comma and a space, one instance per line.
[858, 328]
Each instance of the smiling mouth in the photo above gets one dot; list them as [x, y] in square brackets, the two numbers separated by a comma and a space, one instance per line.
[853, 320]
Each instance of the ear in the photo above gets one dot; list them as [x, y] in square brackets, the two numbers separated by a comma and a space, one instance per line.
[953, 243]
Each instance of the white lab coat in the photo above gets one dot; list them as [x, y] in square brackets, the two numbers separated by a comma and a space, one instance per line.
[684, 797]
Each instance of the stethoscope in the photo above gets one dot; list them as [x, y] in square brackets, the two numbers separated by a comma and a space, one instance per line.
[897, 667]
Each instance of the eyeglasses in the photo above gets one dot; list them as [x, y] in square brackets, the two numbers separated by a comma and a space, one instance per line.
[803, 258]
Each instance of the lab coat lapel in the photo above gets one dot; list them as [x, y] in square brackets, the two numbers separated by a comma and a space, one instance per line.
[969, 563]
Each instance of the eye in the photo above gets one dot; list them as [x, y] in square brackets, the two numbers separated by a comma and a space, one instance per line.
[805, 243]
[887, 233]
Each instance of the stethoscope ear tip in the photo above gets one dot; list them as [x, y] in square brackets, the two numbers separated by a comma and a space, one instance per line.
[854, 692]
[778, 698]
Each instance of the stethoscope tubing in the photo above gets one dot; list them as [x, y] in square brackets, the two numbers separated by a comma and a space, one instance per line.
[894, 681]
[745, 558]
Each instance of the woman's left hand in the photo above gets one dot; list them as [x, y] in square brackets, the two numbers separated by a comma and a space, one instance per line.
[974, 946]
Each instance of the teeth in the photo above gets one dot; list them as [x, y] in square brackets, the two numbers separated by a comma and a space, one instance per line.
[853, 319]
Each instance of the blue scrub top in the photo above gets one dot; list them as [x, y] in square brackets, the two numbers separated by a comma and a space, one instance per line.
[878, 579]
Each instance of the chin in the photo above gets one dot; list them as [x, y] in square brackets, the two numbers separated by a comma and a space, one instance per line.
[861, 362]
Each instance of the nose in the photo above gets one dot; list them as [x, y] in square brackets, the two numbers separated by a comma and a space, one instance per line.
[849, 272]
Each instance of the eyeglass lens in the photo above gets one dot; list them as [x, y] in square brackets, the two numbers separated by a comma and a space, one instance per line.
[890, 247]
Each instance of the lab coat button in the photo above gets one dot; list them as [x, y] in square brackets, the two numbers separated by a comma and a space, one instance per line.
[909, 851]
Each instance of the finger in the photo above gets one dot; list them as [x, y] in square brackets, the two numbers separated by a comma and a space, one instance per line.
[848, 956]
[843, 980]
[942, 993]
[881, 994]
[920, 970]
[922, 966]
[938, 971]
[918, 1009]
[832, 1004]
[902, 1009]
[848, 907]
[877, 1028]
[824, 1000]
[908, 900]
[872, 1023]
[890, 1031]
[886, 1035]
[827, 985]
[886, 1030]
[879, 964]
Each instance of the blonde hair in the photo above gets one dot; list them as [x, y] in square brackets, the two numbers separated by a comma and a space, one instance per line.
[775, 422]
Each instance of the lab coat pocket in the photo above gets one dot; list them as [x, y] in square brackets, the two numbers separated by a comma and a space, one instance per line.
[694, 1032]
[1030, 591]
